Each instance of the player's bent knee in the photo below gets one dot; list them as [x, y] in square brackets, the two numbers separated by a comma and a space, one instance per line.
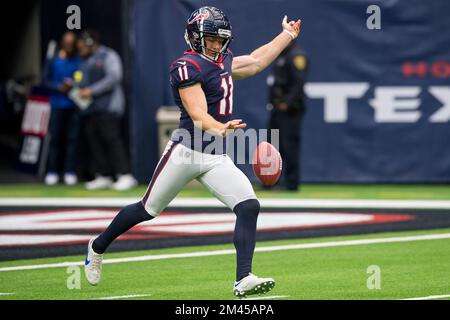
[153, 213]
[250, 206]
[138, 209]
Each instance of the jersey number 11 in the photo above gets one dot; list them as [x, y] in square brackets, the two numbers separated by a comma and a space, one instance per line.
[227, 101]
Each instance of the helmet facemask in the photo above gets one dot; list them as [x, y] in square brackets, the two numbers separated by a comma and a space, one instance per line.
[197, 43]
[217, 55]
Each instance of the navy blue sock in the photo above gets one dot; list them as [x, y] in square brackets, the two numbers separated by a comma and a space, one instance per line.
[127, 218]
[245, 235]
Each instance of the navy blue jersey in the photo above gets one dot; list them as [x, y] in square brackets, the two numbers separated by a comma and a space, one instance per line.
[217, 84]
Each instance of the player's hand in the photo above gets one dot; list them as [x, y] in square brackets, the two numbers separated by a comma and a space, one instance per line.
[232, 125]
[292, 27]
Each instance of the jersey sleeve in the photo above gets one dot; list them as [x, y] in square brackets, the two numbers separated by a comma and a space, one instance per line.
[184, 74]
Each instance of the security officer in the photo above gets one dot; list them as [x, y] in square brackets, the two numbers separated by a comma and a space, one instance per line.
[287, 107]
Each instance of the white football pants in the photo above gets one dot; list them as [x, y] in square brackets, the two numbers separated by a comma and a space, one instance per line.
[179, 165]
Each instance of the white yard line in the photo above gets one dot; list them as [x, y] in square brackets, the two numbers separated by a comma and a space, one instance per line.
[263, 298]
[123, 297]
[6, 293]
[73, 202]
[212, 202]
[232, 251]
[429, 297]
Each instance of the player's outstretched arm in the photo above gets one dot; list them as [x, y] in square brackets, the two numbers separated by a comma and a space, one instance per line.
[194, 101]
[249, 65]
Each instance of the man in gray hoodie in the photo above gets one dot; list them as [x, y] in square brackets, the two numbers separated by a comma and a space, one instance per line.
[100, 81]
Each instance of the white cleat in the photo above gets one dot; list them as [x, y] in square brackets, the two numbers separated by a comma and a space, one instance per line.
[99, 183]
[125, 182]
[70, 179]
[51, 179]
[251, 284]
[93, 265]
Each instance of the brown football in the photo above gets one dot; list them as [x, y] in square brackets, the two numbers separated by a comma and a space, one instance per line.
[267, 164]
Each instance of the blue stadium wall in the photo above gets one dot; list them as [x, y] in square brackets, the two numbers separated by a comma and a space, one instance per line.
[378, 106]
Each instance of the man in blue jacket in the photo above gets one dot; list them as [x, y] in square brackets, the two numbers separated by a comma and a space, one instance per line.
[65, 119]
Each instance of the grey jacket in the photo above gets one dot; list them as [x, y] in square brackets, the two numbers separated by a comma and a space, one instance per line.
[102, 72]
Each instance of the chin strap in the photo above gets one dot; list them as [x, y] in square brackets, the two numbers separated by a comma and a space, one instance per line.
[220, 58]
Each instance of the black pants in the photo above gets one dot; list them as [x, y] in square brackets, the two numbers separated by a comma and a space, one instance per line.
[105, 144]
[64, 132]
[289, 125]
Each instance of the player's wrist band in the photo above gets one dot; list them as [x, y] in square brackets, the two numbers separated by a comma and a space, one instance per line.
[289, 33]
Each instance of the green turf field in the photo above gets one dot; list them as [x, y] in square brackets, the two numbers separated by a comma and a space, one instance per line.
[308, 191]
[408, 269]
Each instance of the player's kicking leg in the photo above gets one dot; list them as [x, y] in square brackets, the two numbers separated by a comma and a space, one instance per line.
[172, 173]
[232, 187]
[127, 218]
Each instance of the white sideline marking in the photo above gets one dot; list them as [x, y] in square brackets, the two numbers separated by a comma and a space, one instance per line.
[429, 297]
[6, 293]
[212, 202]
[123, 297]
[263, 298]
[232, 251]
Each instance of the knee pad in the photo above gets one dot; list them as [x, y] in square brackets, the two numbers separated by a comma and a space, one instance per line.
[250, 206]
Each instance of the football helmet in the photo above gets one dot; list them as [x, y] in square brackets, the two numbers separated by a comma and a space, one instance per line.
[208, 21]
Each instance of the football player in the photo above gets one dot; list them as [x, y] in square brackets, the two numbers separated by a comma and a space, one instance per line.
[202, 84]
